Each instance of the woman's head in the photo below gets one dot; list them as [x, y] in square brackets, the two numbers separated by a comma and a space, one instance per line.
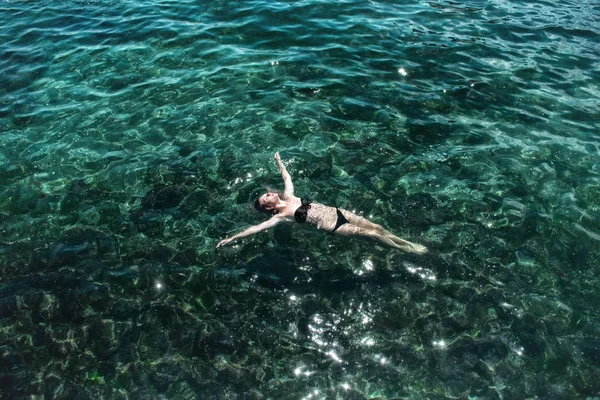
[267, 202]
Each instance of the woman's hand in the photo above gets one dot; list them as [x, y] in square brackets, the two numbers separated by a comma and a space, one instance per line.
[279, 162]
[287, 179]
[224, 242]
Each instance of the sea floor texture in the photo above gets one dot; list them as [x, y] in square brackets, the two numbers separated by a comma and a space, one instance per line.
[135, 135]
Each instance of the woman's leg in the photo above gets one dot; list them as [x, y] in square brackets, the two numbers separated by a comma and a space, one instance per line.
[353, 230]
[364, 223]
[359, 221]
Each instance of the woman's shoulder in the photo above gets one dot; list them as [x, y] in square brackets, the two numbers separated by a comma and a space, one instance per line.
[292, 203]
[291, 198]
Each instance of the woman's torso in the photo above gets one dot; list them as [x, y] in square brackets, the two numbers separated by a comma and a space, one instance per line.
[320, 215]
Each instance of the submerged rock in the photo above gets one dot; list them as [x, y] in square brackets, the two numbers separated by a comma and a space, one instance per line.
[162, 197]
[96, 295]
[210, 343]
[590, 349]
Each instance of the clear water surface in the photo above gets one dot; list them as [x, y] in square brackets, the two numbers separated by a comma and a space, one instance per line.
[135, 135]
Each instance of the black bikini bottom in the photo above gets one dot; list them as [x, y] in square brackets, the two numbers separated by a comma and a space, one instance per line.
[341, 220]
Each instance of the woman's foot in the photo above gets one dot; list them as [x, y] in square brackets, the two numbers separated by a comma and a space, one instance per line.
[407, 246]
[418, 249]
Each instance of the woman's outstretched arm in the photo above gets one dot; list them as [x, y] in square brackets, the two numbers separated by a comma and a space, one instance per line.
[287, 179]
[253, 229]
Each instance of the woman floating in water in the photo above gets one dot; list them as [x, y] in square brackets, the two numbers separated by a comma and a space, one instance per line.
[290, 208]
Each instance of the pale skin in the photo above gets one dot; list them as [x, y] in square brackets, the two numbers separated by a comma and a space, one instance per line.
[357, 226]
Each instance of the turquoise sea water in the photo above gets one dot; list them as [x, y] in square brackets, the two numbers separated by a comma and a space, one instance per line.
[135, 135]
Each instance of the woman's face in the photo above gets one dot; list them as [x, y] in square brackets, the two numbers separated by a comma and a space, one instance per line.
[269, 200]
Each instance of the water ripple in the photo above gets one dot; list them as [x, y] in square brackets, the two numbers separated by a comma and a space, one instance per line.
[132, 137]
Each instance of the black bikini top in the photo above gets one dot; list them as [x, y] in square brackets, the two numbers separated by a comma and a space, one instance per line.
[302, 211]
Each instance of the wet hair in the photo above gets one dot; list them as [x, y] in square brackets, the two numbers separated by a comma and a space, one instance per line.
[260, 208]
